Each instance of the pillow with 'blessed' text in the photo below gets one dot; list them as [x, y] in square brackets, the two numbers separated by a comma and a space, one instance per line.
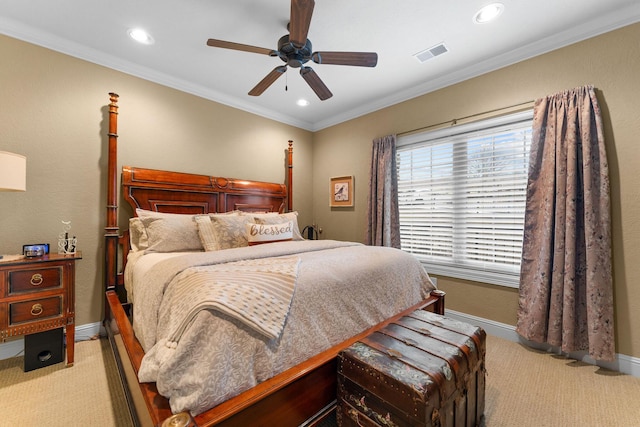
[268, 233]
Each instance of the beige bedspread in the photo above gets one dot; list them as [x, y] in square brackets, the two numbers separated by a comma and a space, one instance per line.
[341, 289]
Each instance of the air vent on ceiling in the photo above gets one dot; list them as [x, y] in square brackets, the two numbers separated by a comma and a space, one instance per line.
[432, 52]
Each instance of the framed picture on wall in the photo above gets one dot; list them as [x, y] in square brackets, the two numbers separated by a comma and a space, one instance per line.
[341, 191]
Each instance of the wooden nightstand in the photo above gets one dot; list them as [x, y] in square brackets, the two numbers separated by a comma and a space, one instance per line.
[38, 294]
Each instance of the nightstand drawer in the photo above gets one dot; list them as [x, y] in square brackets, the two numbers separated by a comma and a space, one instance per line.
[34, 279]
[36, 309]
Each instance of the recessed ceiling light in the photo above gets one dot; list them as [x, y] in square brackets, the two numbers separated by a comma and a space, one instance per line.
[488, 13]
[141, 36]
[302, 102]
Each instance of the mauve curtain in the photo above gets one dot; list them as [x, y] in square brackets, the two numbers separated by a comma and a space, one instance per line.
[382, 210]
[566, 285]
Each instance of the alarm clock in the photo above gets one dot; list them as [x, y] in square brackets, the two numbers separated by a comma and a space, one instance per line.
[37, 250]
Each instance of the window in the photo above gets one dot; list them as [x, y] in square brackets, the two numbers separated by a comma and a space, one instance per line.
[461, 193]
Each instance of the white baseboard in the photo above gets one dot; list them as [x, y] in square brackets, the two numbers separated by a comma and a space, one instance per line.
[16, 347]
[625, 364]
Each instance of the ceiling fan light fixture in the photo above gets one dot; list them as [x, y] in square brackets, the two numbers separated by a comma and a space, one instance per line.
[141, 36]
[488, 13]
[302, 102]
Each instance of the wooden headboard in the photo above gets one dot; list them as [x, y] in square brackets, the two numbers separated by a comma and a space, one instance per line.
[178, 192]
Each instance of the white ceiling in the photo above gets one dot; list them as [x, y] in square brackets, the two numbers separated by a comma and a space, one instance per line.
[97, 31]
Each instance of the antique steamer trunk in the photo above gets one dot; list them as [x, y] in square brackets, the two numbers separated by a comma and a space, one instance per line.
[422, 370]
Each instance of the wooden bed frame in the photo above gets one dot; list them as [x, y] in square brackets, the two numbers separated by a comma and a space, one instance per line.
[302, 395]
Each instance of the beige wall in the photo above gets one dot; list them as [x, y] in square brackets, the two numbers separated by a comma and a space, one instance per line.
[610, 62]
[54, 112]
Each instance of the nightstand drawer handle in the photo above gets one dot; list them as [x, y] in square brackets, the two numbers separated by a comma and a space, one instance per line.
[36, 309]
[36, 279]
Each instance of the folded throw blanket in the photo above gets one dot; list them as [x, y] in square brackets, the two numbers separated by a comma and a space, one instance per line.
[257, 292]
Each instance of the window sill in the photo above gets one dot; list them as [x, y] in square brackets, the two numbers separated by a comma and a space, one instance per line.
[489, 277]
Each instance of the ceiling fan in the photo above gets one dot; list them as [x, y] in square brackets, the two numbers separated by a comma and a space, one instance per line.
[295, 50]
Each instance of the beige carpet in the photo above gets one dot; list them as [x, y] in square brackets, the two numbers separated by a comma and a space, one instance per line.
[527, 387]
[86, 394]
[524, 388]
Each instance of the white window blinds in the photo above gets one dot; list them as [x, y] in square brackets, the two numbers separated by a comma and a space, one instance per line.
[462, 196]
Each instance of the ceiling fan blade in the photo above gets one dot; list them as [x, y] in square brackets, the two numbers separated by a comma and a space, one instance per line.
[268, 80]
[300, 20]
[316, 84]
[359, 59]
[242, 47]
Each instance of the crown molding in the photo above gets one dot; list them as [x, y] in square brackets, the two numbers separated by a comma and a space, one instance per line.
[588, 29]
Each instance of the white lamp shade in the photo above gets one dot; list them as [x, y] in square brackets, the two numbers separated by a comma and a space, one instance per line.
[13, 172]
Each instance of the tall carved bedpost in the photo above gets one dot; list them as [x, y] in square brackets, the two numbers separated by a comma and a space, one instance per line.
[290, 178]
[112, 232]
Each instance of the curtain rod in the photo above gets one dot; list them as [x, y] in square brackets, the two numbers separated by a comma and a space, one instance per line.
[454, 122]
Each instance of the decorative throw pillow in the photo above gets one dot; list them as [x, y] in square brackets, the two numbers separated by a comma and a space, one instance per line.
[169, 232]
[268, 233]
[270, 218]
[223, 231]
[206, 233]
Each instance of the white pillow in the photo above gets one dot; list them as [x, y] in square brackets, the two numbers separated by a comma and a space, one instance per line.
[268, 233]
[270, 218]
[138, 235]
[168, 232]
